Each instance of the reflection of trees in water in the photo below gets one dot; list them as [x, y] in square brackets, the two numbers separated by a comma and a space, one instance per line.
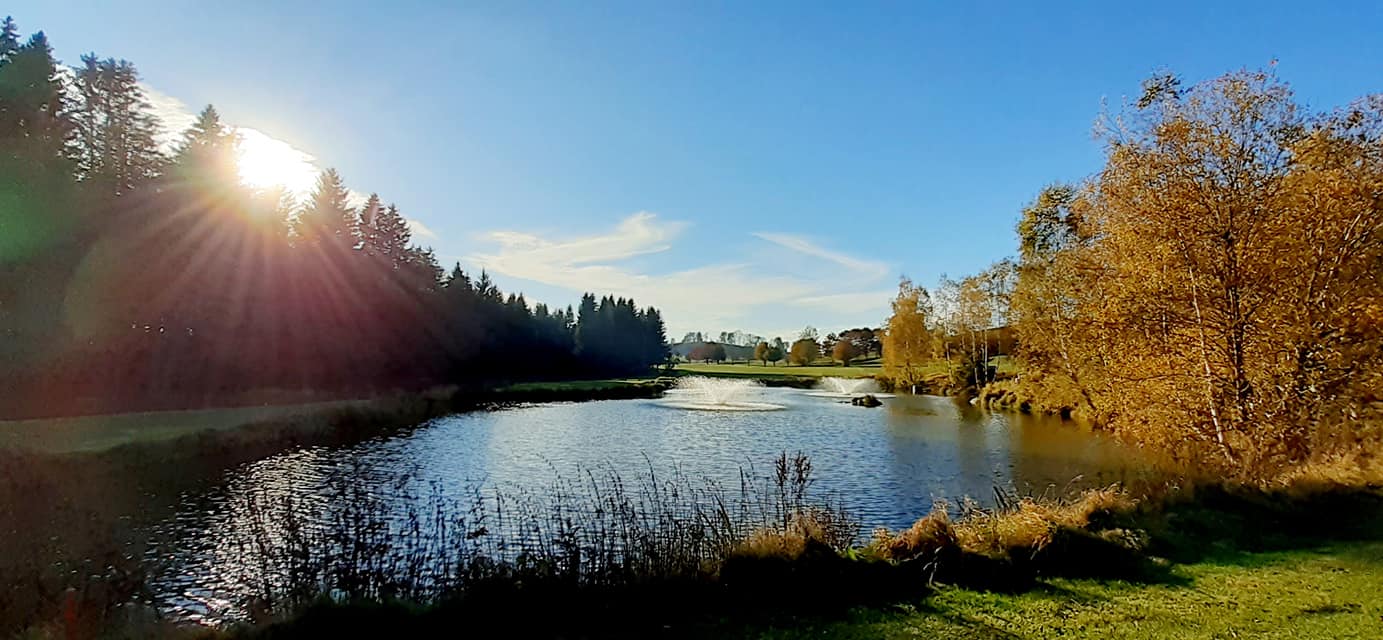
[1055, 457]
[917, 465]
[938, 449]
[947, 448]
[978, 472]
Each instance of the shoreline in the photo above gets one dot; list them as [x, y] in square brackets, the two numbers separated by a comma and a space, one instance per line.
[50, 495]
[97, 433]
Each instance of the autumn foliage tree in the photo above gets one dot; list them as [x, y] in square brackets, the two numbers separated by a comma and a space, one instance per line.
[1052, 303]
[804, 351]
[844, 351]
[910, 341]
[1214, 290]
[708, 352]
[866, 341]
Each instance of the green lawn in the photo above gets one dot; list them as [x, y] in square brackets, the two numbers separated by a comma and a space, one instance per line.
[572, 385]
[757, 370]
[99, 433]
[1334, 591]
[867, 368]
[103, 432]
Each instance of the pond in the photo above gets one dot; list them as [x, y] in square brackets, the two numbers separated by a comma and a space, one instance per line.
[885, 465]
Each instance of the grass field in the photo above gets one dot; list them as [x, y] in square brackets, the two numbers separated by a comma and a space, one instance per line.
[90, 434]
[755, 370]
[1333, 591]
[868, 368]
[572, 385]
[99, 433]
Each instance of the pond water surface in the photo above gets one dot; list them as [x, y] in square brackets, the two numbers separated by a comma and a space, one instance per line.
[886, 465]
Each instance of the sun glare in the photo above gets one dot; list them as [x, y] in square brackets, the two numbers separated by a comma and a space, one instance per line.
[266, 163]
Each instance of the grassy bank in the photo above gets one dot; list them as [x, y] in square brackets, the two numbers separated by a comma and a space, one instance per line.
[71, 489]
[1216, 561]
[575, 390]
[667, 555]
[937, 380]
[1321, 591]
[102, 432]
[936, 376]
[1324, 591]
[756, 370]
[98, 433]
[675, 557]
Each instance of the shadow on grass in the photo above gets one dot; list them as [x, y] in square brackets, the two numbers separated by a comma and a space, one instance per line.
[1234, 526]
[751, 593]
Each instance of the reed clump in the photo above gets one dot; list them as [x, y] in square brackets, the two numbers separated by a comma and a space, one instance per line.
[418, 543]
[648, 550]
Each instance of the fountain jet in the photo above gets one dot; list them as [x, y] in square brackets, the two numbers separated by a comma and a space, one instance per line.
[833, 387]
[716, 394]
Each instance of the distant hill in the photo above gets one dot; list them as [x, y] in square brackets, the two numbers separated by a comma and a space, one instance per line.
[732, 351]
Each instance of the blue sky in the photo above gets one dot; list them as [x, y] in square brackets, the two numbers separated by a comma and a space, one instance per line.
[756, 166]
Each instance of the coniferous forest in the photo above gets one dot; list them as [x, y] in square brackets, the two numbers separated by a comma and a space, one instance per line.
[134, 276]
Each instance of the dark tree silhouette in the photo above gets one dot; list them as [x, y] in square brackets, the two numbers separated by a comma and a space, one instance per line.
[115, 130]
[133, 281]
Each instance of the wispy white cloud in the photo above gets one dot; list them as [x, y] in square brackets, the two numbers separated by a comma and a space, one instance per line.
[420, 230]
[173, 114]
[354, 198]
[717, 296]
[801, 244]
[851, 300]
[636, 235]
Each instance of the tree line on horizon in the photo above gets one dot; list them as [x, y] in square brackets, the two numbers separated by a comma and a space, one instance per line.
[1215, 291]
[134, 277]
[806, 349]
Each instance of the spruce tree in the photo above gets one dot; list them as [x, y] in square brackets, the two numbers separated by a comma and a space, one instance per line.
[206, 158]
[486, 290]
[365, 223]
[115, 126]
[328, 219]
[390, 236]
[9, 39]
[655, 336]
[458, 282]
[35, 117]
[586, 326]
[421, 270]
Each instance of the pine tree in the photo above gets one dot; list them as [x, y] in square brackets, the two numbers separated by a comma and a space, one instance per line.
[327, 220]
[115, 127]
[458, 281]
[655, 336]
[421, 270]
[486, 290]
[35, 119]
[365, 223]
[389, 236]
[586, 326]
[206, 158]
[9, 39]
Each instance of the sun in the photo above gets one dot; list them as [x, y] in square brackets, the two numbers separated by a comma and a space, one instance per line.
[268, 163]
